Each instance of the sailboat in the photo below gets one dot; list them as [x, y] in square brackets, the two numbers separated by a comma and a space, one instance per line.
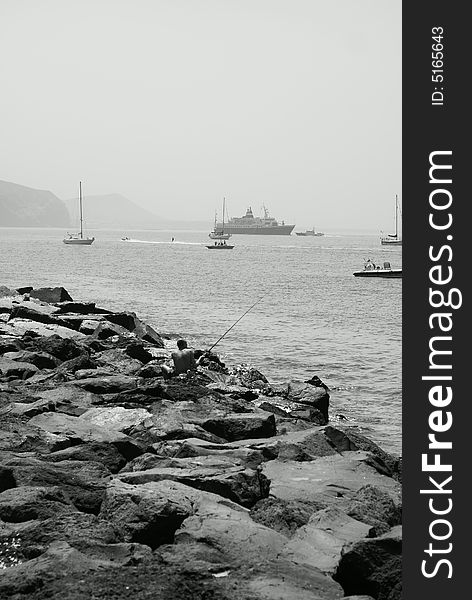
[220, 236]
[78, 239]
[393, 239]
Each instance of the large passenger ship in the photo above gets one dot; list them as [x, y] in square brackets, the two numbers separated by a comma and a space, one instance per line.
[251, 225]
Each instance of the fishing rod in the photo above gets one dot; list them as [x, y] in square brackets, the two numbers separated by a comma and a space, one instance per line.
[235, 323]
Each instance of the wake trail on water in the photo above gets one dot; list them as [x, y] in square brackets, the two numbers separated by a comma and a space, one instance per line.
[168, 243]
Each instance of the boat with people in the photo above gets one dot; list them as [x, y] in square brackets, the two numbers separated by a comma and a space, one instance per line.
[393, 239]
[78, 239]
[310, 233]
[220, 245]
[372, 270]
[251, 225]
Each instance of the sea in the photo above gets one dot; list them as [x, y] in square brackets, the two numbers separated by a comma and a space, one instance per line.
[312, 316]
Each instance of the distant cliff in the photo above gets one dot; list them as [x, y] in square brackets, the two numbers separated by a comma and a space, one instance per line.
[113, 211]
[21, 206]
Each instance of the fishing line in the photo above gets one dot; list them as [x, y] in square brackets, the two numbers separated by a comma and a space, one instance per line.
[236, 322]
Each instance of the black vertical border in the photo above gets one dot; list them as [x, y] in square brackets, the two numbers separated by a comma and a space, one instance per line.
[426, 129]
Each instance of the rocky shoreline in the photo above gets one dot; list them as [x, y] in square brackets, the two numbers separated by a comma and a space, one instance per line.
[217, 485]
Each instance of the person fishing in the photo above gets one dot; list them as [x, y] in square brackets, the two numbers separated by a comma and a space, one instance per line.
[183, 359]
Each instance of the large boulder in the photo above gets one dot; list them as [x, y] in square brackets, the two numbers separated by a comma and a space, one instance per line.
[299, 446]
[285, 516]
[34, 311]
[26, 503]
[151, 513]
[321, 541]
[107, 454]
[137, 350]
[194, 447]
[117, 417]
[233, 532]
[129, 321]
[376, 508]
[61, 347]
[373, 567]
[238, 483]
[80, 530]
[242, 426]
[331, 479]
[249, 545]
[9, 345]
[282, 407]
[118, 361]
[42, 360]
[314, 396]
[81, 308]
[83, 483]
[25, 438]
[348, 438]
[81, 431]
[69, 400]
[61, 561]
[20, 327]
[14, 369]
[6, 291]
[107, 385]
[247, 377]
[50, 295]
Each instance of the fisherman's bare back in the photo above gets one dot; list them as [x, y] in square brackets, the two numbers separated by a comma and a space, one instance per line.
[184, 360]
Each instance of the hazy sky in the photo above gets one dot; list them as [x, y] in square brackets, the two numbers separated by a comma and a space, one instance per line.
[176, 103]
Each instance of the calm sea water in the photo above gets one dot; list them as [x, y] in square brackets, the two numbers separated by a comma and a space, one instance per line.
[314, 316]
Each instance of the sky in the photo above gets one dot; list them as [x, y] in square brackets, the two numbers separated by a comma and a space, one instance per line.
[291, 104]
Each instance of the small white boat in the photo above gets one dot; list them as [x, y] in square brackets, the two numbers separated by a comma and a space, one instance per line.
[310, 233]
[78, 239]
[373, 270]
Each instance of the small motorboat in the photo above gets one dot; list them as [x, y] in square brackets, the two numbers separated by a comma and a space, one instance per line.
[125, 239]
[373, 270]
[310, 233]
[220, 245]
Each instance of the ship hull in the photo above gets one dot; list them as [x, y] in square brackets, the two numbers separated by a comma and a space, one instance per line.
[391, 242]
[245, 230]
[78, 242]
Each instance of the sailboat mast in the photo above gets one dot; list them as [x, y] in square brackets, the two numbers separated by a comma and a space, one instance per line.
[80, 203]
[396, 216]
[223, 214]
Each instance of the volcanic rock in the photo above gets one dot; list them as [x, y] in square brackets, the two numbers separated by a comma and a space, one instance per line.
[242, 426]
[373, 567]
[78, 430]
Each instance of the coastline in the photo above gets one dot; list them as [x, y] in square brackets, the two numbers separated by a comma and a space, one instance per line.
[113, 479]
